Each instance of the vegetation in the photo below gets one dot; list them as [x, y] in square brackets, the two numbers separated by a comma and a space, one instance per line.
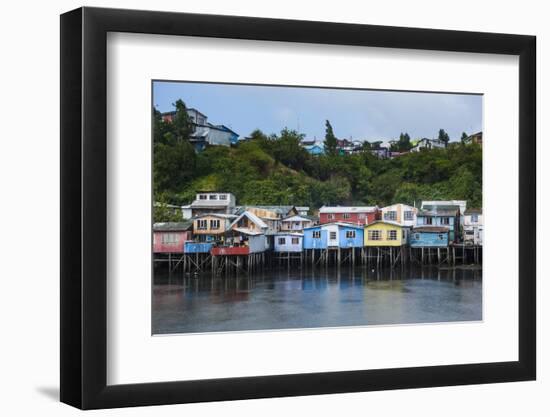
[275, 169]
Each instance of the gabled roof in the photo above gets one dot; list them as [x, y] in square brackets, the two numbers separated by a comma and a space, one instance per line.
[246, 231]
[220, 215]
[384, 222]
[253, 218]
[281, 210]
[282, 233]
[298, 218]
[347, 209]
[210, 203]
[172, 226]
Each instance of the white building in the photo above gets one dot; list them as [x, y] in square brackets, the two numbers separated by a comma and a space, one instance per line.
[401, 214]
[473, 227]
[212, 202]
[296, 223]
[426, 143]
[288, 242]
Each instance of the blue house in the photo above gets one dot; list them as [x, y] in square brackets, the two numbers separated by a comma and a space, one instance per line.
[333, 235]
[448, 218]
[314, 149]
[429, 237]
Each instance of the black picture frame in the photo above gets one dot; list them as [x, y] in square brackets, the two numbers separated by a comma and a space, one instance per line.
[84, 207]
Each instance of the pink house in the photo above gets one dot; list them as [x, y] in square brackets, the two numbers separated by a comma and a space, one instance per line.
[170, 237]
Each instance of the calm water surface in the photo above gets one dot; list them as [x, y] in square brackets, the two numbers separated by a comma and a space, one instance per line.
[323, 298]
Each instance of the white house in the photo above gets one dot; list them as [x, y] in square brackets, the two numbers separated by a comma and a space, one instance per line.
[212, 202]
[401, 214]
[426, 143]
[296, 223]
[473, 226]
[288, 242]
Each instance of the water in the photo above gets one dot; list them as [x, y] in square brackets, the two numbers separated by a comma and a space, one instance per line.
[309, 299]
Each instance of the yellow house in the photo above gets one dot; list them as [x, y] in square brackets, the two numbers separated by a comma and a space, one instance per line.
[385, 233]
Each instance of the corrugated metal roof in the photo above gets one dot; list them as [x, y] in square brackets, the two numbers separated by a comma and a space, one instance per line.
[347, 209]
[430, 229]
[210, 203]
[246, 231]
[343, 224]
[255, 219]
[385, 222]
[172, 226]
[438, 212]
[474, 211]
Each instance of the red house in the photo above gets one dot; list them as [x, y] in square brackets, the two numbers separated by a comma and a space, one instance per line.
[355, 215]
[170, 237]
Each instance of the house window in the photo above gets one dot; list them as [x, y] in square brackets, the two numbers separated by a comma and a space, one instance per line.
[170, 238]
[390, 215]
[441, 236]
[427, 220]
[362, 215]
[202, 224]
[223, 196]
[214, 224]
[317, 234]
[295, 241]
[392, 234]
[375, 235]
[282, 241]
[332, 235]
[213, 197]
[408, 215]
[350, 234]
[417, 236]
[474, 218]
[202, 196]
[346, 216]
[331, 216]
[446, 220]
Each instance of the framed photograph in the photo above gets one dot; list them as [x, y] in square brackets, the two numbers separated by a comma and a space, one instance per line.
[257, 208]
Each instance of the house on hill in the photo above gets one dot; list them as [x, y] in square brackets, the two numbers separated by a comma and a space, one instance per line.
[204, 132]
[426, 144]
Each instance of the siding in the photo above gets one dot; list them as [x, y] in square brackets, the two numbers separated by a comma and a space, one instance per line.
[429, 240]
[288, 246]
[384, 228]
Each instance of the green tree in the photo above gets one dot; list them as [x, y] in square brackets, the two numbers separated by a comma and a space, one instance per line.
[330, 143]
[463, 137]
[182, 125]
[443, 136]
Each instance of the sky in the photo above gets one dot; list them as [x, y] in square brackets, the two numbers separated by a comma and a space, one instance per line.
[357, 114]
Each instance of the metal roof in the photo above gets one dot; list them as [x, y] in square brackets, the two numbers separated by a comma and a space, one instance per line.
[474, 211]
[438, 212]
[343, 224]
[172, 226]
[255, 219]
[347, 209]
[430, 229]
[385, 222]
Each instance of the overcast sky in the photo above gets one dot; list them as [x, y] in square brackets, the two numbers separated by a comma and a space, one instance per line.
[356, 114]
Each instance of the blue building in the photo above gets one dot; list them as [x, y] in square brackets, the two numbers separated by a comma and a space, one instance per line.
[315, 149]
[429, 237]
[333, 235]
[448, 218]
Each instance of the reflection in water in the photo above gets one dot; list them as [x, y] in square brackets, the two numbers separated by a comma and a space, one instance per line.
[321, 298]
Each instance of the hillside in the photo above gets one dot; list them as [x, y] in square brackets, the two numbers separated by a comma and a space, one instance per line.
[277, 170]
